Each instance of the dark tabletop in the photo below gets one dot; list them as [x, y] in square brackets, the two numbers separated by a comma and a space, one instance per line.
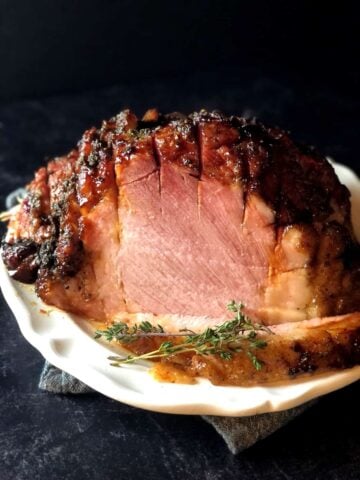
[91, 437]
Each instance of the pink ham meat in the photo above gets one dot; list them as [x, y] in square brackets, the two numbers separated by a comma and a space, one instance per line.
[170, 217]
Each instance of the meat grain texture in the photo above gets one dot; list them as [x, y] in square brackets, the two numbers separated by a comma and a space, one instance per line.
[170, 217]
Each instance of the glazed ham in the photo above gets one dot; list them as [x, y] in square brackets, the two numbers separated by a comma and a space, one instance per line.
[169, 217]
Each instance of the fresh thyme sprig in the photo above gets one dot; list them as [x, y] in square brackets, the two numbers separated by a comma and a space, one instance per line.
[239, 334]
[125, 334]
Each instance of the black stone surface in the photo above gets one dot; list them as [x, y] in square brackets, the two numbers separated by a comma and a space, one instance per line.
[44, 436]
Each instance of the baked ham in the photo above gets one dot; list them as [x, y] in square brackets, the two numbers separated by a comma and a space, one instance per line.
[170, 217]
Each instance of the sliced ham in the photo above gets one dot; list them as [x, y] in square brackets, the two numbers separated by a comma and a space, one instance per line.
[170, 217]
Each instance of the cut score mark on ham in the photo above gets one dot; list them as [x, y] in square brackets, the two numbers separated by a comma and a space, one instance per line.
[168, 218]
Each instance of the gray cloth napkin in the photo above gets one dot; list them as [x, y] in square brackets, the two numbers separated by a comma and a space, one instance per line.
[239, 433]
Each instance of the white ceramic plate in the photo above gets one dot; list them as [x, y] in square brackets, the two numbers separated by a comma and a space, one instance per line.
[67, 342]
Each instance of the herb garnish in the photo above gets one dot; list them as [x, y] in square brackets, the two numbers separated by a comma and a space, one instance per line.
[239, 334]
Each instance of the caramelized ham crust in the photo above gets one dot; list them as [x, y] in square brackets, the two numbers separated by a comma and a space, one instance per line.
[170, 217]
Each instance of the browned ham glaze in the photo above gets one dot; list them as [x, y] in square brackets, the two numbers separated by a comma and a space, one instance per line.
[170, 217]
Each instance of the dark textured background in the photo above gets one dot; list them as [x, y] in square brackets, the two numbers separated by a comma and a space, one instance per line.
[69, 45]
[295, 66]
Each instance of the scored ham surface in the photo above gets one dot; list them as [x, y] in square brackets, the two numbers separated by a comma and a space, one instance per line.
[170, 217]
